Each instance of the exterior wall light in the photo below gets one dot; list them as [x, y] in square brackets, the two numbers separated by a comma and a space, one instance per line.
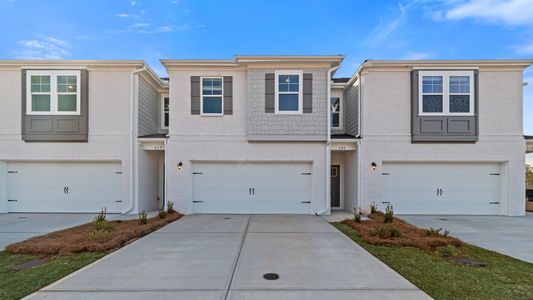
[374, 166]
[180, 165]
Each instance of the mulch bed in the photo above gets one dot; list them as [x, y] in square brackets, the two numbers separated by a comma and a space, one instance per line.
[75, 239]
[411, 235]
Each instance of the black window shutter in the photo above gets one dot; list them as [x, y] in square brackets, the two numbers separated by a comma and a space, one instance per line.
[228, 95]
[270, 92]
[195, 95]
[308, 92]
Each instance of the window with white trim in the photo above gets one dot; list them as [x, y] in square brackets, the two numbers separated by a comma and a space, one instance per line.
[336, 117]
[212, 98]
[165, 100]
[446, 93]
[289, 92]
[53, 92]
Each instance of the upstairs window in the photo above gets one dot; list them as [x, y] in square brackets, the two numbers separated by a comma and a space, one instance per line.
[446, 93]
[53, 92]
[212, 96]
[288, 92]
[335, 112]
[165, 111]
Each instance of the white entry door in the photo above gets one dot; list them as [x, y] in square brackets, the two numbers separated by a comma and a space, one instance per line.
[283, 188]
[80, 187]
[442, 188]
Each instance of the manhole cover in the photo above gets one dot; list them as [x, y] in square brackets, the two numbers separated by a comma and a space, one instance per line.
[271, 276]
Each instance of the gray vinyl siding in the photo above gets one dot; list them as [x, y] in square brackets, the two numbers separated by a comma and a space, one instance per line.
[149, 109]
[261, 123]
[351, 110]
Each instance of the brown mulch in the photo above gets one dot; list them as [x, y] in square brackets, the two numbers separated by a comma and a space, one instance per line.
[412, 236]
[75, 239]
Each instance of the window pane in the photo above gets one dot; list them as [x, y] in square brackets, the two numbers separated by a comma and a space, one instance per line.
[335, 105]
[431, 103]
[288, 102]
[459, 103]
[40, 102]
[66, 84]
[288, 83]
[166, 110]
[431, 84]
[66, 103]
[459, 84]
[335, 120]
[212, 86]
[40, 84]
[212, 105]
[166, 119]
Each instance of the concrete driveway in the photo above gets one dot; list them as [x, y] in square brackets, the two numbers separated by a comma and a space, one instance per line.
[225, 257]
[16, 227]
[512, 236]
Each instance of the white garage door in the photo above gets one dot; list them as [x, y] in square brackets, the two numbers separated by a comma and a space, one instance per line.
[442, 188]
[64, 187]
[283, 188]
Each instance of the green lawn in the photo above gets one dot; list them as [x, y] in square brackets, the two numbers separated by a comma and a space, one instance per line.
[17, 284]
[503, 278]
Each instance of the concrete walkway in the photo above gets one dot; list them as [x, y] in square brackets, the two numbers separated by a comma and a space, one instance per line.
[511, 236]
[16, 227]
[225, 257]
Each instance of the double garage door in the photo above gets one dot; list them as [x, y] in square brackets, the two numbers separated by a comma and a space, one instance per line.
[64, 187]
[283, 188]
[442, 188]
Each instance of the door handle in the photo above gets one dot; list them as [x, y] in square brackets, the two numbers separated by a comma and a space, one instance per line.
[65, 190]
[440, 192]
[249, 191]
[253, 191]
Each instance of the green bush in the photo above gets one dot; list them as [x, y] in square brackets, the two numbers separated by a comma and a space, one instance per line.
[102, 225]
[101, 216]
[386, 231]
[170, 207]
[436, 232]
[373, 207]
[162, 213]
[389, 214]
[143, 218]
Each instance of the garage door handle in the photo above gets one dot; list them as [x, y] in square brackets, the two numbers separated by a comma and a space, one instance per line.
[12, 200]
[386, 202]
[494, 202]
[197, 201]
[305, 202]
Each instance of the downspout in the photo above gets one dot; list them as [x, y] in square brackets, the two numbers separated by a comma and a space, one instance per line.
[133, 109]
[328, 146]
[359, 137]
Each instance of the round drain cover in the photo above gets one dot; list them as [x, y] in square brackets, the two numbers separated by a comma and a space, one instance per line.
[271, 276]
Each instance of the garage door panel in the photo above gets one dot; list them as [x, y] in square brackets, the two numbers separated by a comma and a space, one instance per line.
[442, 188]
[251, 187]
[64, 186]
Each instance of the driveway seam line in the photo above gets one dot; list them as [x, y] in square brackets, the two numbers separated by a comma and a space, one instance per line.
[238, 257]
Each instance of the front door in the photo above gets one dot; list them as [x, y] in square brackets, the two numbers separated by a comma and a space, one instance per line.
[335, 186]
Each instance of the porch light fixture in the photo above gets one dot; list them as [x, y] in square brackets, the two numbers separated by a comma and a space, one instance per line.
[374, 166]
[180, 165]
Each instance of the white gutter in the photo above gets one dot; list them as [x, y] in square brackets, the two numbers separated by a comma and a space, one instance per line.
[327, 207]
[133, 110]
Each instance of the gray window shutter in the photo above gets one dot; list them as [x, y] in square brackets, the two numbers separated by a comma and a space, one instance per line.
[228, 95]
[195, 95]
[270, 92]
[308, 93]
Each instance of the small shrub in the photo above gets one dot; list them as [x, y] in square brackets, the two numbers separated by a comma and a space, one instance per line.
[162, 213]
[386, 231]
[102, 225]
[357, 214]
[143, 218]
[433, 232]
[170, 207]
[389, 214]
[449, 251]
[101, 216]
[373, 207]
[100, 236]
